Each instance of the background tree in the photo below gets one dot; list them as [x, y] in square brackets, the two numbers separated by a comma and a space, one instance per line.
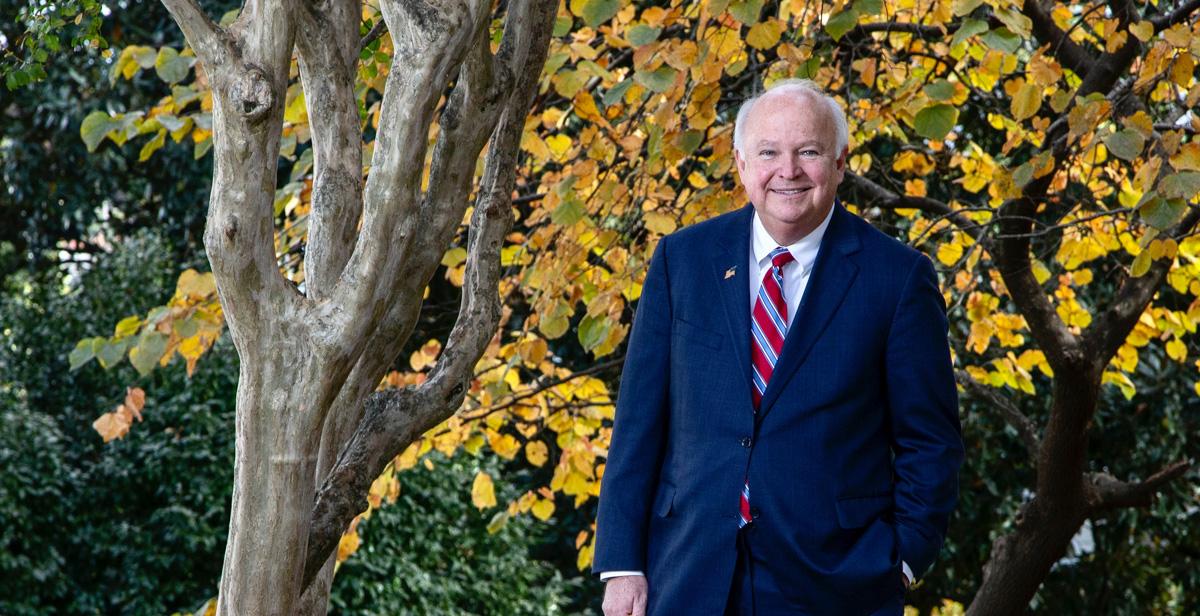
[1044, 156]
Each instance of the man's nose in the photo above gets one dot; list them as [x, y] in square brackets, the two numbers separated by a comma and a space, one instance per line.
[790, 166]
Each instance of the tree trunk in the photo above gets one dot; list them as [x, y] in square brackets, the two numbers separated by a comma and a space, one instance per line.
[310, 361]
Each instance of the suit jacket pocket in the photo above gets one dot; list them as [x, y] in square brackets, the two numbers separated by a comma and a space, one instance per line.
[664, 500]
[697, 334]
[859, 511]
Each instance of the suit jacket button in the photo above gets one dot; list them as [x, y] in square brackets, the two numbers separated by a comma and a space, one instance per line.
[746, 442]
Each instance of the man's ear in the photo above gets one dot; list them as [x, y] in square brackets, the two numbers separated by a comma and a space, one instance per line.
[841, 160]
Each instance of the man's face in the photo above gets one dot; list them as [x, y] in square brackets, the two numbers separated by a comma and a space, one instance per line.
[790, 165]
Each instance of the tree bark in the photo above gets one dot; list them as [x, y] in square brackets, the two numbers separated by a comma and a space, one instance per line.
[311, 356]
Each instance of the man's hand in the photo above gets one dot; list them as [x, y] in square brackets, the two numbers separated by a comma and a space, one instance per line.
[625, 596]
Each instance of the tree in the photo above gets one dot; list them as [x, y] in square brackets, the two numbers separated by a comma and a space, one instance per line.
[1045, 157]
[311, 357]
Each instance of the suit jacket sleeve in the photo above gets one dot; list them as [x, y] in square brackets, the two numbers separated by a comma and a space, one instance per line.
[639, 429]
[923, 402]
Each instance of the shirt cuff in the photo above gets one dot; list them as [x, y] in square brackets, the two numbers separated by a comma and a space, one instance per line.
[908, 574]
[608, 575]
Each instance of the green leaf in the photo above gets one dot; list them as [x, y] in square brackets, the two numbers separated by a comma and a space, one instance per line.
[1182, 185]
[936, 121]
[569, 82]
[152, 146]
[95, 127]
[150, 348]
[1002, 39]
[969, 28]
[145, 56]
[868, 7]
[83, 352]
[1125, 144]
[963, 7]
[186, 328]
[1161, 213]
[562, 25]
[498, 522]
[689, 140]
[595, 12]
[642, 34]
[1023, 175]
[109, 352]
[840, 24]
[172, 67]
[569, 212]
[746, 11]
[940, 90]
[659, 80]
[617, 92]
[593, 331]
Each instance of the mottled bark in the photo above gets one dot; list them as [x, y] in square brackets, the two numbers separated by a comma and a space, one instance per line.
[311, 357]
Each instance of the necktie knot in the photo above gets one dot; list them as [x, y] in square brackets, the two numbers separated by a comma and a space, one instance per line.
[781, 257]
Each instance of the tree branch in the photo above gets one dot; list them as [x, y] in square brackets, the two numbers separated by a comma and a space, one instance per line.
[883, 198]
[921, 30]
[1065, 50]
[430, 39]
[1108, 492]
[1025, 427]
[1162, 22]
[326, 44]
[210, 41]
[394, 419]
[375, 32]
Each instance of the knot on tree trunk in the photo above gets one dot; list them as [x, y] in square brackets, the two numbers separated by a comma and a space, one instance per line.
[416, 24]
[251, 94]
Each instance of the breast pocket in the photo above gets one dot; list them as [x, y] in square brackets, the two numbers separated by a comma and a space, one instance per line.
[688, 333]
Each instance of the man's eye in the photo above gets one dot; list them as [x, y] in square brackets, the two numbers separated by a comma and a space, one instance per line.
[810, 153]
[766, 152]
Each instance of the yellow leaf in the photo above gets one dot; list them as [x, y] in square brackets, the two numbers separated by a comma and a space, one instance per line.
[1187, 158]
[194, 284]
[659, 222]
[764, 35]
[1141, 264]
[559, 146]
[348, 545]
[135, 401]
[1177, 350]
[483, 492]
[949, 253]
[1026, 101]
[536, 452]
[1143, 30]
[1116, 41]
[543, 509]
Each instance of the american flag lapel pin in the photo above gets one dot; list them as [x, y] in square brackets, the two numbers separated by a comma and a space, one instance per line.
[730, 272]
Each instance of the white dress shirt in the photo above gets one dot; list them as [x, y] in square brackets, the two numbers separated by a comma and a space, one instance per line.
[795, 280]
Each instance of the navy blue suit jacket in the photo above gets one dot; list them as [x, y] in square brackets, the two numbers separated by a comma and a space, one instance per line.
[852, 458]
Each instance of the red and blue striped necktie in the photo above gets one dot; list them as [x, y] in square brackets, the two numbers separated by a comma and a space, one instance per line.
[768, 328]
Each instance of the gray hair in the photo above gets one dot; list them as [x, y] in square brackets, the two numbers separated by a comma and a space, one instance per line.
[795, 88]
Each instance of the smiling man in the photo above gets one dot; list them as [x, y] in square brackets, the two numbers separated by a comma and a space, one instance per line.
[786, 437]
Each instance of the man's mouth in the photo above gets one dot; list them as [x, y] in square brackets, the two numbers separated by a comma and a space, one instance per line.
[788, 192]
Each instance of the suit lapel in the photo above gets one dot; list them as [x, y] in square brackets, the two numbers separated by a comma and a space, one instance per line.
[833, 273]
[733, 256]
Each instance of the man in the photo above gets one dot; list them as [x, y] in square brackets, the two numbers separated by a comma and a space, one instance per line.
[786, 437]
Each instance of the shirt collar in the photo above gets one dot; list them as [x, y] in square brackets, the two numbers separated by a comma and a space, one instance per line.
[804, 250]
